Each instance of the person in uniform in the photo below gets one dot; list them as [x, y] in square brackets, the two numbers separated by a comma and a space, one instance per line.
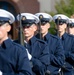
[13, 57]
[67, 42]
[70, 26]
[54, 44]
[37, 50]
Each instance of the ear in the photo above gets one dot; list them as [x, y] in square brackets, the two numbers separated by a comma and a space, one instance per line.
[48, 25]
[8, 28]
[35, 28]
[65, 26]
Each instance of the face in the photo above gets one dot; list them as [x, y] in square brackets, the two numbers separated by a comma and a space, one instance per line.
[4, 29]
[61, 28]
[29, 31]
[70, 30]
[44, 28]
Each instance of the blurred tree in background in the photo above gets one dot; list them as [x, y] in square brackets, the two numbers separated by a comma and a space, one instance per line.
[65, 7]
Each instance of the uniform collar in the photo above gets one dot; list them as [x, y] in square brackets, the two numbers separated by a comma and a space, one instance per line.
[32, 40]
[64, 36]
[46, 37]
[6, 43]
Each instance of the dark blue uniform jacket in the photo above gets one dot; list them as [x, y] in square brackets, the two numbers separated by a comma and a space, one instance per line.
[68, 45]
[40, 55]
[56, 51]
[13, 59]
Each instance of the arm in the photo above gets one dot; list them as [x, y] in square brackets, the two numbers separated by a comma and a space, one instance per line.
[40, 63]
[57, 58]
[22, 65]
[70, 53]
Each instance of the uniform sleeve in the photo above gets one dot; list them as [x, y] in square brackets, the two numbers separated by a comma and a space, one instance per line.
[39, 64]
[58, 58]
[23, 65]
[70, 54]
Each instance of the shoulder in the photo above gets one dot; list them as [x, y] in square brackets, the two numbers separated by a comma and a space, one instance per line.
[16, 41]
[17, 46]
[54, 37]
[69, 36]
[41, 41]
[15, 49]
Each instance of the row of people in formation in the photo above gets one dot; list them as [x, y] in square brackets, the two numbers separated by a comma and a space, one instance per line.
[42, 53]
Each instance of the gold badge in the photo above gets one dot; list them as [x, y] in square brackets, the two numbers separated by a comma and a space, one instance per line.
[9, 21]
[59, 17]
[41, 16]
[70, 21]
[23, 18]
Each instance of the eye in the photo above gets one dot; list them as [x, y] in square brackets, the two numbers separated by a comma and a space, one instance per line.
[26, 26]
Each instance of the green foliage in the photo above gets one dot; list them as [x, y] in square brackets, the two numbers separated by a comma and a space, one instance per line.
[52, 29]
[65, 7]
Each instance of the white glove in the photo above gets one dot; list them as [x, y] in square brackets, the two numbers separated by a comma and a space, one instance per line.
[1, 73]
[29, 55]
